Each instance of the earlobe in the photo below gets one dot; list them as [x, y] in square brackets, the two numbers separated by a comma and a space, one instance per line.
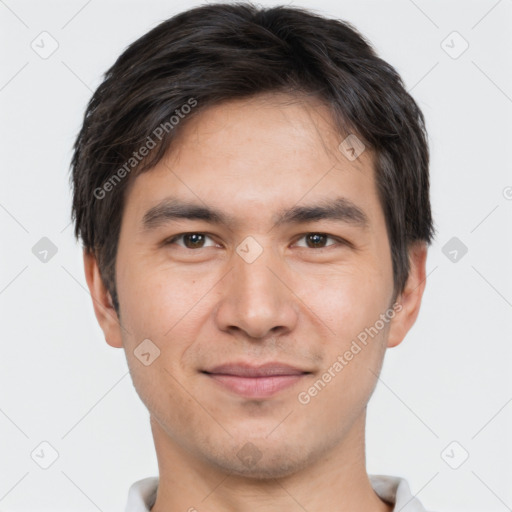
[410, 298]
[102, 301]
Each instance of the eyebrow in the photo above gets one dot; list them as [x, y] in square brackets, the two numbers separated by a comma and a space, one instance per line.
[338, 209]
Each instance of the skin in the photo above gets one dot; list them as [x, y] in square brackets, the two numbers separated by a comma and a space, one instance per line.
[296, 303]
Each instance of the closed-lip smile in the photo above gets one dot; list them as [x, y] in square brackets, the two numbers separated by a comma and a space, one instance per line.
[255, 381]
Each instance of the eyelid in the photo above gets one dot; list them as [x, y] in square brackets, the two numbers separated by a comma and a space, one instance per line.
[172, 239]
[339, 240]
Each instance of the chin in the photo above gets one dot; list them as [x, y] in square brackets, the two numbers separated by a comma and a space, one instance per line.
[261, 460]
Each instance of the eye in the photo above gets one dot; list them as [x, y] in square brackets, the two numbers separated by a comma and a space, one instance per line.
[318, 240]
[196, 240]
[190, 240]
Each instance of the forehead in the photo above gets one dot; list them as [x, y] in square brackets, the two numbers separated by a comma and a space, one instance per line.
[265, 152]
[273, 119]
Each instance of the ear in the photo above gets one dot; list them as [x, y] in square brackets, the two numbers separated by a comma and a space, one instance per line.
[410, 298]
[102, 302]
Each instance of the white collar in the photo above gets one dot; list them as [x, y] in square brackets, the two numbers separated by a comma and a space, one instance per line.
[142, 494]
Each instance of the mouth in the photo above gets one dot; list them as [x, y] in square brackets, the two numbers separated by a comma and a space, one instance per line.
[252, 381]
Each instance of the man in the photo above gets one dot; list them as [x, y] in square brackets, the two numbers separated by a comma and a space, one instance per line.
[251, 187]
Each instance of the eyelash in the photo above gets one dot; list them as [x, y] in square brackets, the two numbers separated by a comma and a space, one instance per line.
[340, 241]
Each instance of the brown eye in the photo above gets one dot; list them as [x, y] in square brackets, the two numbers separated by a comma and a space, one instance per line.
[190, 240]
[317, 240]
[193, 240]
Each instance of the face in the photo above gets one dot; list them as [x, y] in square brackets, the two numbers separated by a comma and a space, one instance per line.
[254, 241]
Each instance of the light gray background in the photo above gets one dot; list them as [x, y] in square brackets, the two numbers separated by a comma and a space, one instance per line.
[450, 379]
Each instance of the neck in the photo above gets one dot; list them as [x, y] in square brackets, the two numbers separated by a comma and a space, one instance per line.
[336, 481]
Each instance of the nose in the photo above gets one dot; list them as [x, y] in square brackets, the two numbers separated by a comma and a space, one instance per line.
[257, 297]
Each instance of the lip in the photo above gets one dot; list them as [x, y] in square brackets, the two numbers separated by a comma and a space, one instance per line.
[252, 381]
[245, 369]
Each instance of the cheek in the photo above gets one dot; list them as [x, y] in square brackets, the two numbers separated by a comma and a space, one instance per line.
[351, 307]
[161, 390]
[170, 309]
[348, 303]
[158, 301]
[348, 377]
